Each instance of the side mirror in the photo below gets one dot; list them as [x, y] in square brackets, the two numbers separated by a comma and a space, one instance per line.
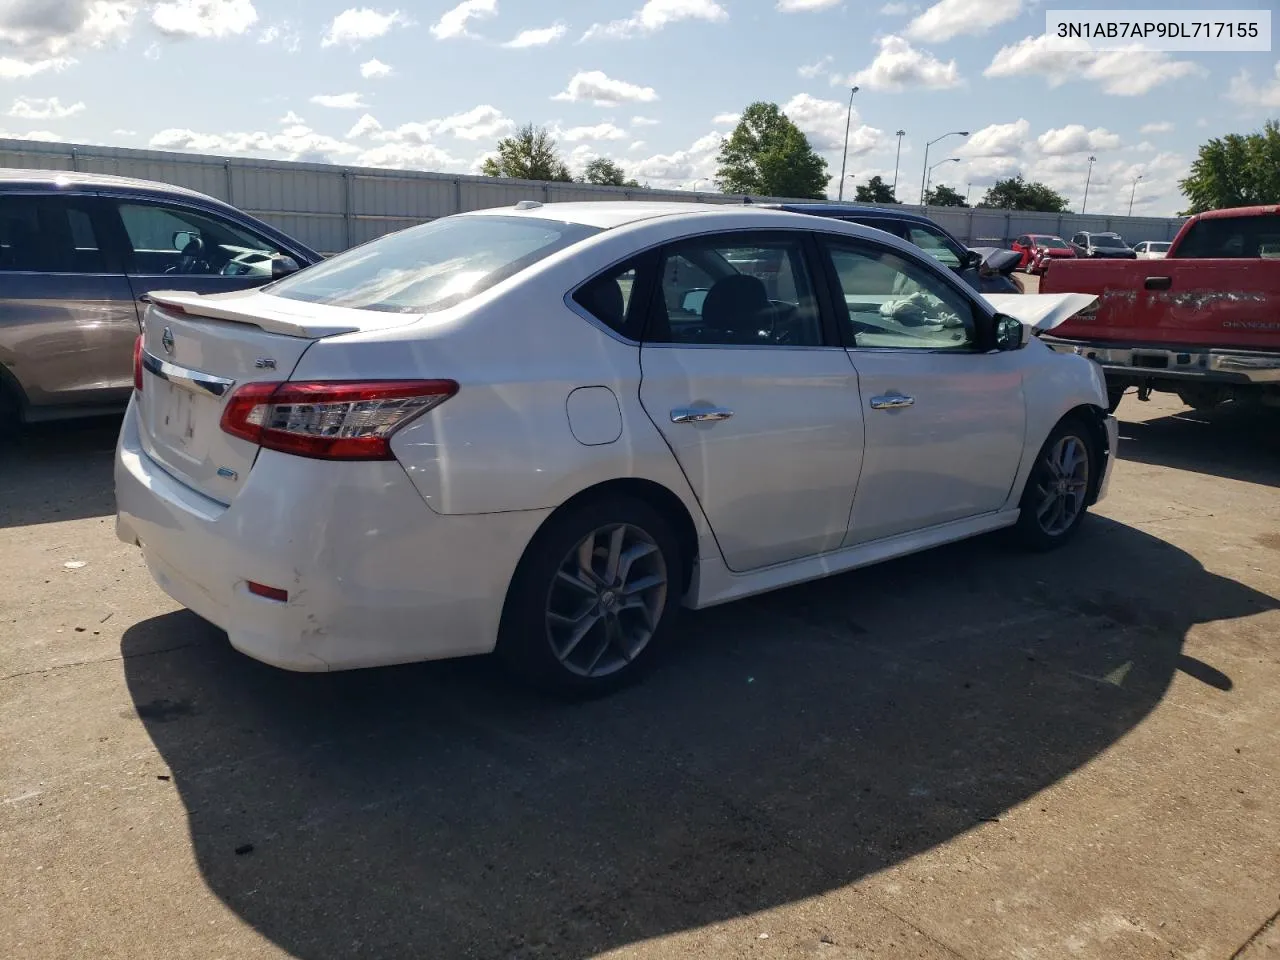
[1011, 333]
[282, 266]
[972, 258]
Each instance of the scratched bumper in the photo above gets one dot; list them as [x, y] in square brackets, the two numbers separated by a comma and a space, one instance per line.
[1224, 366]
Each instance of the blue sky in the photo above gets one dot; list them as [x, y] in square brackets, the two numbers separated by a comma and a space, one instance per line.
[653, 85]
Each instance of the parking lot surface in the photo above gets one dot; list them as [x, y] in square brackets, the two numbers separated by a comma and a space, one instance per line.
[972, 752]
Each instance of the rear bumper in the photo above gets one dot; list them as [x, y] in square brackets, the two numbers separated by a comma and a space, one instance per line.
[373, 575]
[1174, 363]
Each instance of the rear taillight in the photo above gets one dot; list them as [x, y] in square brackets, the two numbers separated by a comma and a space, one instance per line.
[331, 420]
[137, 364]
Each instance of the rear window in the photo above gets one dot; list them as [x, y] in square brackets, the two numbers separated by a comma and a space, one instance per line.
[1105, 240]
[432, 266]
[1232, 238]
[1156, 246]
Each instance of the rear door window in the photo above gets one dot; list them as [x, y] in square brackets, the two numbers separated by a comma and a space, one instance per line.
[433, 266]
[46, 234]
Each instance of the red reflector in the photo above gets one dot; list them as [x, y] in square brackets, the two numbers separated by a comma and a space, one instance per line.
[137, 364]
[271, 593]
[330, 420]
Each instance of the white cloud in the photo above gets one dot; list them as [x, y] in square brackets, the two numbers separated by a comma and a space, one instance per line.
[291, 119]
[655, 15]
[374, 69]
[823, 122]
[896, 9]
[33, 108]
[539, 37]
[1075, 138]
[811, 70]
[676, 168]
[726, 119]
[38, 36]
[996, 140]
[484, 122]
[283, 32]
[13, 69]
[125, 133]
[603, 91]
[454, 22]
[406, 156]
[339, 101]
[31, 135]
[636, 144]
[358, 24]
[204, 19]
[1164, 126]
[1146, 146]
[366, 125]
[1119, 72]
[899, 66]
[298, 143]
[601, 131]
[952, 18]
[644, 122]
[1243, 90]
[801, 6]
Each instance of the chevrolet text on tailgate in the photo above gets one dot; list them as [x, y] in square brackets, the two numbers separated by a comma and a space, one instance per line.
[1203, 323]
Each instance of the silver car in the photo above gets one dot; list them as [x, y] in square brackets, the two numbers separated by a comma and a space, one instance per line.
[80, 252]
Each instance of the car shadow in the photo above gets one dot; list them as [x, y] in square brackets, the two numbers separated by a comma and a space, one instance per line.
[58, 471]
[1231, 441]
[792, 744]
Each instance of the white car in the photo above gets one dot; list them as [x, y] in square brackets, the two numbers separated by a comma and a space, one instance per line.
[1152, 249]
[541, 430]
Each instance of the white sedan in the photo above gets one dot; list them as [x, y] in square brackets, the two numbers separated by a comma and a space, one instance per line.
[541, 430]
[1152, 249]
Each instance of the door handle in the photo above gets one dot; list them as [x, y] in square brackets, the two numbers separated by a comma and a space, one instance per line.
[1158, 283]
[893, 402]
[700, 414]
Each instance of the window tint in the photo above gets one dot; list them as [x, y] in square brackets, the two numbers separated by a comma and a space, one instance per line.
[608, 296]
[1108, 240]
[432, 266]
[1053, 243]
[737, 289]
[896, 303]
[48, 235]
[935, 244]
[1233, 238]
[175, 240]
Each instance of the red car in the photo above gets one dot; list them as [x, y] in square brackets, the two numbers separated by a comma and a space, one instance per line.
[1037, 248]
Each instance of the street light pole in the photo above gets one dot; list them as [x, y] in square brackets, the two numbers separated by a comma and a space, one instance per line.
[1134, 191]
[929, 175]
[900, 134]
[844, 157]
[1089, 176]
[925, 172]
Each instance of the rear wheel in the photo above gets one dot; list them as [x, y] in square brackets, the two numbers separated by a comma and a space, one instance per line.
[592, 598]
[1057, 491]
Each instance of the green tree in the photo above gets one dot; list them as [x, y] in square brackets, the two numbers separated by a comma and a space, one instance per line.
[767, 154]
[605, 172]
[530, 154]
[1235, 171]
[944, 196]
[1014, 193]
[875, 190]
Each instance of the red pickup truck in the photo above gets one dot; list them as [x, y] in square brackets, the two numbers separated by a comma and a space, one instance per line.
[1203, 323]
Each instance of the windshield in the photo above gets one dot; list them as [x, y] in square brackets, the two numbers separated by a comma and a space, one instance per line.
[432, 266]
[1107, 240]
[1158, 247]
[1053, 243]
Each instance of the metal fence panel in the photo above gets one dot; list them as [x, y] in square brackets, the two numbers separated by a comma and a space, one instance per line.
[331, 207]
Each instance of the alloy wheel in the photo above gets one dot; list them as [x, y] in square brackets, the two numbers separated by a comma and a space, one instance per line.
[606, 599]
[1064, 485]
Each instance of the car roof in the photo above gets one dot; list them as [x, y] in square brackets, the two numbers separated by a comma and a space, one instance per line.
[1227, 213]
[607, 214]
[62, 179]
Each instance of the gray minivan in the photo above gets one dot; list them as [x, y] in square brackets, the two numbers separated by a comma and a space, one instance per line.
[78, 254]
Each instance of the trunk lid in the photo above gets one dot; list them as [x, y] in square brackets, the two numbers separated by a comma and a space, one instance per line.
[198, 350]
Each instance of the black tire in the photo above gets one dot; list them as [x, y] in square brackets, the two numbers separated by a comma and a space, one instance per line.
[10, 412]
[525, 636]
[1034, 528]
